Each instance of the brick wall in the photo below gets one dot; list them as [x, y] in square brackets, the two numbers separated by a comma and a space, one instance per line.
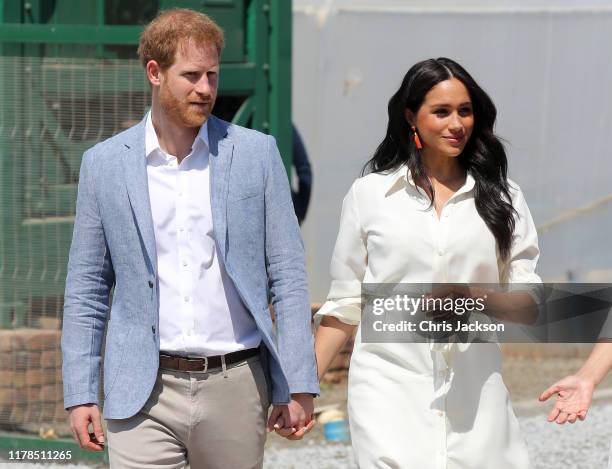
[30, 377]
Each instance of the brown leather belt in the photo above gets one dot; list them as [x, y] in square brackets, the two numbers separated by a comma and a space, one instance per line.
[173, 362]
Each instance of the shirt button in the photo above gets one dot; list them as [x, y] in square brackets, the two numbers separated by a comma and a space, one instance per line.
[440, 252]
[186, 299]
[188, 331]
[184, 263]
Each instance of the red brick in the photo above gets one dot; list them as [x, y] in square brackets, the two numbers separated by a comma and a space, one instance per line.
[35, 339]
[7, 401]
[45, 339]
[18, 340]
[33, 377]
[17, 414]
[6, 361]
[61, 414]
[48, 377]
[24, 360]
[6, 379]
[49, 359]
[50, 393]
[33, 394]
[32, 413]
[19, 379]
[6, 340]
[21, 396]
[47, 411]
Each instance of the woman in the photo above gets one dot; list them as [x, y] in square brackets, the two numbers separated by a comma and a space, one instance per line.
[436, 207]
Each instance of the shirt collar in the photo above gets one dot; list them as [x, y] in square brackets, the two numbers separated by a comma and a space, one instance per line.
[152, 142]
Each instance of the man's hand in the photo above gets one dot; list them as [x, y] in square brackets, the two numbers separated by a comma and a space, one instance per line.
[574, 394]
[80, 417]
[295, 419]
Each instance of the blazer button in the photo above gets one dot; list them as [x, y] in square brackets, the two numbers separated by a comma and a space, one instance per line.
[153, 329]
[150, 284]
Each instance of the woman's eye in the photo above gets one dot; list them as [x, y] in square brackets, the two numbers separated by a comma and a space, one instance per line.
[440, 112]
[465, 111]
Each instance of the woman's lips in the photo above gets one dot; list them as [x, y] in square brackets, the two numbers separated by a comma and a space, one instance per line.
[454, 140]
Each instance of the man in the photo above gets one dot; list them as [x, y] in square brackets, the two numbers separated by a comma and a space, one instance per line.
[190, 219]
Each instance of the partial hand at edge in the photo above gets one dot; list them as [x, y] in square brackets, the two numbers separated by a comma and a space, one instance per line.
[574, 395]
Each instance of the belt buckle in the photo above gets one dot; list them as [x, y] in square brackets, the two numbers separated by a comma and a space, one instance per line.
[196, 359]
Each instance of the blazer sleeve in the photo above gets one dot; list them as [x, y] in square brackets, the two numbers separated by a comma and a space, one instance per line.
[348, 266]
[86, 299]
[287, 281]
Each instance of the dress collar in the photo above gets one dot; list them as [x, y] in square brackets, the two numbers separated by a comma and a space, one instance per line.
[404, 175]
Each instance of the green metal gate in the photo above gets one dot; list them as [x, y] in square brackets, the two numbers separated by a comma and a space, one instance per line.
[69, 77]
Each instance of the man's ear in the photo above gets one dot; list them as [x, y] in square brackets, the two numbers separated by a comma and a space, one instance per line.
[154, 72]
[409, 115]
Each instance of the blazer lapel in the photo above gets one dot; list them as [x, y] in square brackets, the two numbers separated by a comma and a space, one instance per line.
[136, 181]
[221, 153]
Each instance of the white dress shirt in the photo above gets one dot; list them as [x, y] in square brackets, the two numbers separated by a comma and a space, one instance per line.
[200, 310]
[420, 404]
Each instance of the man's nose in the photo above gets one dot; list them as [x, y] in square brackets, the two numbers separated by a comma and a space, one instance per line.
[203, 86]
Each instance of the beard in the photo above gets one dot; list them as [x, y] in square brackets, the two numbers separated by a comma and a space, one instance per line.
[181, 111]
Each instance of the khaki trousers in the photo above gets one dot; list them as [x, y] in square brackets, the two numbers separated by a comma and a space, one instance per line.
[198, 420]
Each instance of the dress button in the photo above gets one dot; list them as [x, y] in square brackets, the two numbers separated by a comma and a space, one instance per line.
[440, 252]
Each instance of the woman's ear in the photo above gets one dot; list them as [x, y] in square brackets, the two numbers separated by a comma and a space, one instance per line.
[409, 115]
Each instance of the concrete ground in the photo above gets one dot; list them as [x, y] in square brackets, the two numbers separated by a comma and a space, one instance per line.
[584, 445]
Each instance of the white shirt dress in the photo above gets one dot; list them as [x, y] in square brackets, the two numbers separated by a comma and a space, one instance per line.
[422, 405]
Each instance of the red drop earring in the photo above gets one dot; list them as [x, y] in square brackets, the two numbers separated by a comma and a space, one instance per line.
[417, 140]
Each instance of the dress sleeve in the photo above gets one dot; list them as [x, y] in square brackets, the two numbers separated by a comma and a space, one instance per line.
[348, 265]
[519, 271]
[524, 252]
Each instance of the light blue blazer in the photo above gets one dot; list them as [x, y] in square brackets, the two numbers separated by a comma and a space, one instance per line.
[113, 244]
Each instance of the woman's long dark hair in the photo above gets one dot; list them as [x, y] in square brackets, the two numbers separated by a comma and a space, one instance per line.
[483, 156]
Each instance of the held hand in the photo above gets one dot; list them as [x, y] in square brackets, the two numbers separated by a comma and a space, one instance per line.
[574, 394]
[294, 420]
[80, 417]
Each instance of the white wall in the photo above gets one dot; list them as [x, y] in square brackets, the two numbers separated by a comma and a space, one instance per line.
[547, 65]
